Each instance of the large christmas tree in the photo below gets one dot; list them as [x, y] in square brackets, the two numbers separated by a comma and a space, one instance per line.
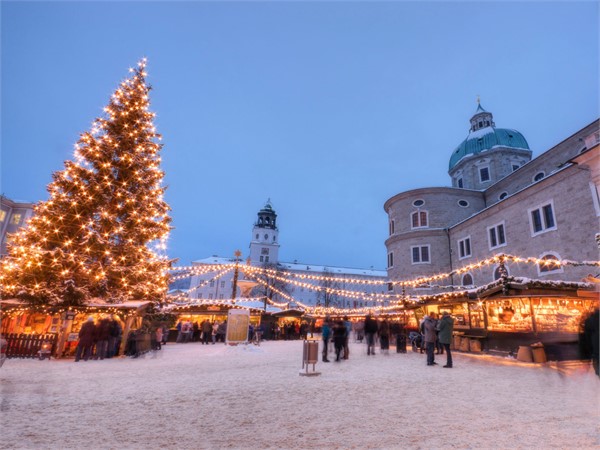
[102, 230]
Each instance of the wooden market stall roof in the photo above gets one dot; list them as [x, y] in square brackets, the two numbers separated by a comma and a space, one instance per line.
[513, 286]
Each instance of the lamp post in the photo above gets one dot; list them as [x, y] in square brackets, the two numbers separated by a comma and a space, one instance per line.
[235, 275]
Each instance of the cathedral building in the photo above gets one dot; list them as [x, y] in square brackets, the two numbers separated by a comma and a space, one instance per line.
[501, 201]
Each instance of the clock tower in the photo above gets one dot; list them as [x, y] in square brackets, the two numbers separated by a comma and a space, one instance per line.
[264, 245]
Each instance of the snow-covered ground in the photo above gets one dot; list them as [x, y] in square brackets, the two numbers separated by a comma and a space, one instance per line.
[190, 396]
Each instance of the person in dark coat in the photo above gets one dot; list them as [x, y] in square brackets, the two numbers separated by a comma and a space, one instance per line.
[86, 340]
[370, 330]
[325, 334]
[445, 327]
[114, 338]
[102, 335]
[591, 338]
[339, 338]
[384, 336]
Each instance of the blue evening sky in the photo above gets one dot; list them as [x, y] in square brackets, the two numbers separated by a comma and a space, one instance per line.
[326, 108]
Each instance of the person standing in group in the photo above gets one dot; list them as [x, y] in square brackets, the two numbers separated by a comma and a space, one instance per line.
[445, 327]
[86, 340]
[102, 335]
[325, 334]
[206, 332]
[430, 337]
[115, 335]
[348, 325]
[339, 338]
[384, 336]
[370, 331]
[215, 330]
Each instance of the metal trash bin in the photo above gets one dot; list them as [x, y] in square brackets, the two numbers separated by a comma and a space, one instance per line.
[538, 353]
[524, 354]
[310, 355]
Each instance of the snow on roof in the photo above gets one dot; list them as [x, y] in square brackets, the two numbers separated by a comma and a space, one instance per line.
[479, 133]
[333, 270]
[214, 260]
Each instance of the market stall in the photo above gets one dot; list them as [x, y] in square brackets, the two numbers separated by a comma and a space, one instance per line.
[501, 317]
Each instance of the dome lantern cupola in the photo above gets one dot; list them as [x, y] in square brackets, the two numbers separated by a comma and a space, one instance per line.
[267, 218]
[481, 119]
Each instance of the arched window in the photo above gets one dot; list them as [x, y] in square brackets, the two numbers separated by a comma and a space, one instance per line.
[467, 279]
[419, 219]
[549, 263]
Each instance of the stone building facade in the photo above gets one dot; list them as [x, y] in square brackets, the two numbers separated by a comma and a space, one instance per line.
[546, 208]
[13, 215]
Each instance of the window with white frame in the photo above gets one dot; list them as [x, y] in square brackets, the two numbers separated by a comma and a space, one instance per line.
[390, 259]
[464, 248]
[549, 263]
[420, 254]
[497, 236]
[484, 174]
[542, 219]
[419, 219]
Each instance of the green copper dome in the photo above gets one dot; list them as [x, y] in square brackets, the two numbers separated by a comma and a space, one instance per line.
[485, 136]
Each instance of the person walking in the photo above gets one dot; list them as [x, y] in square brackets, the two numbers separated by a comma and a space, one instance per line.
[384, 336]
[339, 338]
[445, 328]
[370, 331]
[325, 334]
[429, 337]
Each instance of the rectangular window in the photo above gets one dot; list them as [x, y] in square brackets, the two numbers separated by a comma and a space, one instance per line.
[595, 197]
[264, 251]
[464, 248]
[542, 219]
[391, 227]
[2, 215]
[210, 296]
[420, 254]
[221, 296]
[266, 259]
[497, 236]
[212, 283]
[460, 183]
[199, 294]
[262, 259]
[484, 174]
[390, 259]
[419, 219]
[222, 284]
[15, 219]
